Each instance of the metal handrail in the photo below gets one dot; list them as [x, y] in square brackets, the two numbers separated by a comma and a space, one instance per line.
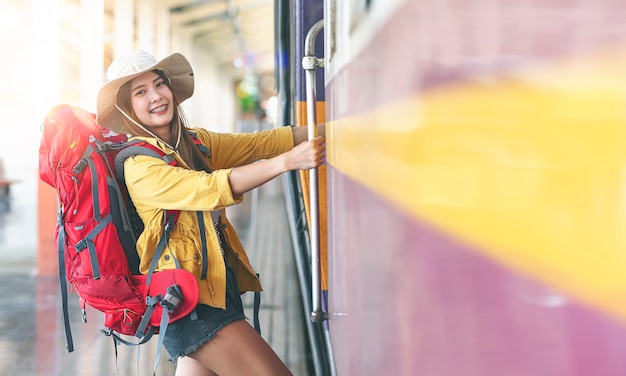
[309, 63]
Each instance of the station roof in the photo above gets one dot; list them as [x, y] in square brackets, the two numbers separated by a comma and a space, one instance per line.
[236, 31]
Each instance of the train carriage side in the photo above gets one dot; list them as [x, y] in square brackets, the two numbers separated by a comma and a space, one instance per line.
[476, 187]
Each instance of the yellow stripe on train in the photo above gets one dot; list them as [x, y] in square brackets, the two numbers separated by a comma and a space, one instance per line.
[530, 168]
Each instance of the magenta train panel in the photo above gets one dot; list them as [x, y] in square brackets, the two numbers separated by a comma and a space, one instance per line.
[407, 299]
[426, 44]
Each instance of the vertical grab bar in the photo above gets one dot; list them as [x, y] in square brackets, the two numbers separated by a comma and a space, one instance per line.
[309, 63]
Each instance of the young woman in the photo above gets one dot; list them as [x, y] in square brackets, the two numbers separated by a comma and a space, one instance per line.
[142, 98]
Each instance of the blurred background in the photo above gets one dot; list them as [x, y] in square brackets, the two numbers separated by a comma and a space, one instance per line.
[57, 51]
[474, 205]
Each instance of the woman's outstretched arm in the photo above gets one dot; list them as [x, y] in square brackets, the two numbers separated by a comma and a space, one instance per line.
[306, 154]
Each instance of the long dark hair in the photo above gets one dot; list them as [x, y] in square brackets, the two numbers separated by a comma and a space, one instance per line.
[187, 150]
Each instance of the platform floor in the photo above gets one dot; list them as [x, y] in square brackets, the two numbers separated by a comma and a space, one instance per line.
[32, 338]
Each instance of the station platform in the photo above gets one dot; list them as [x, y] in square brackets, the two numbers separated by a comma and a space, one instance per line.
[32, 337]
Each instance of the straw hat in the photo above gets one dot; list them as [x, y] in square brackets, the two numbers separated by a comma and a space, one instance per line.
[125, 68]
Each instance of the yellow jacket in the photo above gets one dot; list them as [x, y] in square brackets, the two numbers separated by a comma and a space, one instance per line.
[154, 186]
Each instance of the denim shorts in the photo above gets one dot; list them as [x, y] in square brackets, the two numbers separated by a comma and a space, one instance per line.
[187, 335]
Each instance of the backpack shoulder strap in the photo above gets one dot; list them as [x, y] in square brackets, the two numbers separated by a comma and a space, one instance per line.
[203, 149]
[139, 148]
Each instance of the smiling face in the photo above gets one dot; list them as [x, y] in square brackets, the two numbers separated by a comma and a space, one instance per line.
[152, 101]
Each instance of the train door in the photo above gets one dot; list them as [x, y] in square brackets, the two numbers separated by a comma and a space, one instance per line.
[294, 21]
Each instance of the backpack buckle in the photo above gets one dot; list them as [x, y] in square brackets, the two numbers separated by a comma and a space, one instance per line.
[82, 244]
[170, 220]
[173, 297]
[80, 166]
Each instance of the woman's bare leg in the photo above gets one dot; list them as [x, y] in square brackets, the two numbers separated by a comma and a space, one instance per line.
[186, 366]
[238, 349]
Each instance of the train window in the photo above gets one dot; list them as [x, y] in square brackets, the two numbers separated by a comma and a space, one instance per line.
[349, 25]
[358, 9]
[330, 35]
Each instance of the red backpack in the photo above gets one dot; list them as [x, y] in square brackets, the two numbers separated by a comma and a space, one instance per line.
[97, 230]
